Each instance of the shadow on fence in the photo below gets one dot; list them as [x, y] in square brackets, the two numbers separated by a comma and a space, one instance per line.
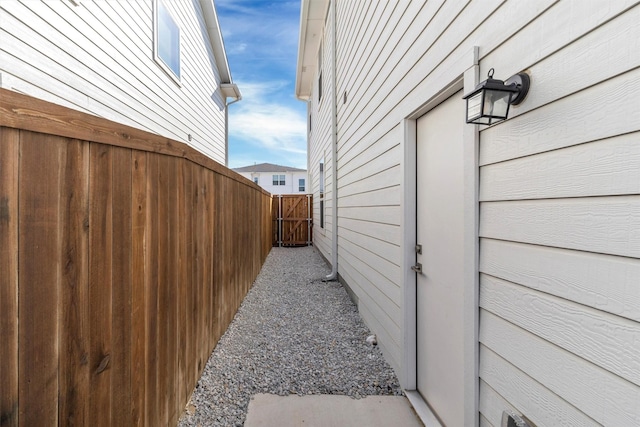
[123, 258]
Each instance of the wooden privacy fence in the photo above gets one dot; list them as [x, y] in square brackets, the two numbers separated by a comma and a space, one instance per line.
[123, 258]
[292, 220]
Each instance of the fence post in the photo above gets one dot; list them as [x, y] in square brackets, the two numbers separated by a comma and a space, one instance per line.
[309, 241]
[280, 220]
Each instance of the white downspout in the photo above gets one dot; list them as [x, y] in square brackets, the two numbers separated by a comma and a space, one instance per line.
[334, 147]
[226, 130]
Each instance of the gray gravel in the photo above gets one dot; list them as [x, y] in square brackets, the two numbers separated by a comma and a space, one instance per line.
[293, 334]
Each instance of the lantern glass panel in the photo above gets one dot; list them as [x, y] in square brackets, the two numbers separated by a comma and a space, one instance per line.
[496, 103]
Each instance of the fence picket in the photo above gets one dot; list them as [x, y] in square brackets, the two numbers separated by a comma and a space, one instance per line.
[124, 257]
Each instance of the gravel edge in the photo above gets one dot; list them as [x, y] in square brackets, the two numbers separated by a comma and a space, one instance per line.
[293, 334]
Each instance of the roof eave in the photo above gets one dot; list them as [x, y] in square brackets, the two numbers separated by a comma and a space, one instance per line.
[215, 37]
[304, 11]
[312, 13]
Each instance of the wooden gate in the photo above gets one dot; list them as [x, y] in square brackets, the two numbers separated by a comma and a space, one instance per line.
[292, 220]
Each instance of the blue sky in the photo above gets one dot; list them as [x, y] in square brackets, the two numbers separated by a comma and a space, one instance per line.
[261, 40]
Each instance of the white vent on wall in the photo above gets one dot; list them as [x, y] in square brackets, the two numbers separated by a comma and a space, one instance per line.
[510, 419]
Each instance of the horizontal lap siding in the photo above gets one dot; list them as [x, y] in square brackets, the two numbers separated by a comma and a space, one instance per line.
[320, 141]
[121, 267]
[381, 58]
[392, 58]
[559, 183]
[98, 58]
[369, 179]
[559, 221]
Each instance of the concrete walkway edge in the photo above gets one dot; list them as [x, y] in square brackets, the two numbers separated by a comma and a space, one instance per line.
[268, 410]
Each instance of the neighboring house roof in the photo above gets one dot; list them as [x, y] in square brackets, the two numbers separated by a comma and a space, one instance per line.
[312, 15]
[268, 167]
[229, 89]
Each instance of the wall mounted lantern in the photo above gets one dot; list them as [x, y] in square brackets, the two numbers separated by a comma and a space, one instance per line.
[490, 100]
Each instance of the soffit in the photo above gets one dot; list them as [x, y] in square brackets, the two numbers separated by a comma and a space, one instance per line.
[215, 37]
[312, 16]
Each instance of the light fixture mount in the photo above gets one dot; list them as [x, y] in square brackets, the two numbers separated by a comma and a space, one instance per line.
[521, 82]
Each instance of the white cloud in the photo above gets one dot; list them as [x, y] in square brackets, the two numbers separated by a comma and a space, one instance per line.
[257, 92]
[261, 121]
[236, 48]
[271, 126]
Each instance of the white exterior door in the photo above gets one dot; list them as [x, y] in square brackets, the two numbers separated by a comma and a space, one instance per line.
[439, 223]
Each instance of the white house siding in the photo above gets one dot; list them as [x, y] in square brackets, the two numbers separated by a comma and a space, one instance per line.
[369, 177]
[560, 222]
[265, 180]
[97, 57]
[320, 148]
[559, 191]
[392, 58]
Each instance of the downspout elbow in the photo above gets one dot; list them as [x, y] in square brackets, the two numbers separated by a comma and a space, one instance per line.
[333, 275]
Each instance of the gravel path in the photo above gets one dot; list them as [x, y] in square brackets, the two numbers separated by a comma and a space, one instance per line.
[293, 334]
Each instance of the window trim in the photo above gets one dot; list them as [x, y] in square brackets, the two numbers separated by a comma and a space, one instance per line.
[277, 179]
[156, 51]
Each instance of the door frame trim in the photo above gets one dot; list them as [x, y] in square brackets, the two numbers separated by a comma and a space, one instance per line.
[471, 136]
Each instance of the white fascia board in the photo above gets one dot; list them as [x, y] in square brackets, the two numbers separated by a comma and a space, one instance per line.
[312, 15]
[215, 37]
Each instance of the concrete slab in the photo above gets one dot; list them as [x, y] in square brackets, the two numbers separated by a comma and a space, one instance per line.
[267, 410]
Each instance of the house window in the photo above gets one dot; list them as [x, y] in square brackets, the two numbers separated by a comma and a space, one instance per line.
[301, 184]
[278, 180]
[167, 40]
[322, 193]
[255, 179]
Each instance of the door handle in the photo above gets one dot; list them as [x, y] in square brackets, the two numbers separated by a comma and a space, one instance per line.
[417, 268]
